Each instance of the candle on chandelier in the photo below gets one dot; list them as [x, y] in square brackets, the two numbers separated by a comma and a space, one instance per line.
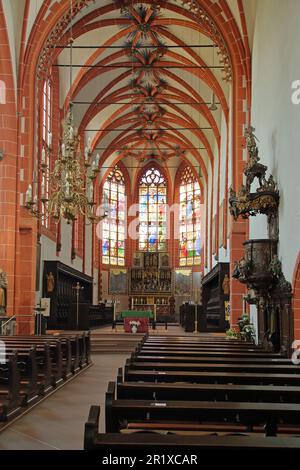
[43, 156]
[50, 140]
[63, 150]
[68, 185]
[43, 189]
[91, 193]
[29, 194]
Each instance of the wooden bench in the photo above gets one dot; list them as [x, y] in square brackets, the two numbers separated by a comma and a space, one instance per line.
[140, 357]
[196, 344]
[9, 388]
[60, 363]
[214, 367]
[119, 413]
[206, 353]
[212, 377]
[208, 392]
[201, 348]
[154, 443]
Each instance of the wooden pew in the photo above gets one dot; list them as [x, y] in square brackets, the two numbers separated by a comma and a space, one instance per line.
[119, 413]
[59, 369]
[212, 377]
[196, 344]
[9, 388]
[43, 364]
[206, 353]
[214, 367]
[207, 392]
[200, 348]
[30, 386]
[75, 349]
[154, 443]
[140, 357]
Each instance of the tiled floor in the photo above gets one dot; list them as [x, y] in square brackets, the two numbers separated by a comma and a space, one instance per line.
[58, 422]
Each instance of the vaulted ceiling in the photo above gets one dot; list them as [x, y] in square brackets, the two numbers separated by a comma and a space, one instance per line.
[150, 80]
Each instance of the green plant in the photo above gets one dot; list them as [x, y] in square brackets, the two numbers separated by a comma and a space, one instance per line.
[231, 334]
[247, 331]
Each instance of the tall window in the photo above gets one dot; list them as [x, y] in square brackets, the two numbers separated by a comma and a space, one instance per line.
[113, 228]
[190, 241]
[46, 141]
[152, 211]
[47, 112]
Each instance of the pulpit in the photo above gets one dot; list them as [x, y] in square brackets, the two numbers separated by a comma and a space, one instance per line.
[141, 319]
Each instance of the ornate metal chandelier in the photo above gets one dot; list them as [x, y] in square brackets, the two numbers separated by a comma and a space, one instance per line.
[67, 191]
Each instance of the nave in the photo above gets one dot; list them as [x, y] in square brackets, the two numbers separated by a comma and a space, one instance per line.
[196, 391]
[149, 224]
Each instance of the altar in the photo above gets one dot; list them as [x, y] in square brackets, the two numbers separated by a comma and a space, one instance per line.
[141, 319]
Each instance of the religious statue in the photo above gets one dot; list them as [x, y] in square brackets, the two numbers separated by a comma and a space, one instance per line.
[3, 287]
[276, 270]
[275, 266]
[243, 194]
[251, 140]
[241, 268]
[50, 283]
[226, 285]
[236, 270]
[244, 266]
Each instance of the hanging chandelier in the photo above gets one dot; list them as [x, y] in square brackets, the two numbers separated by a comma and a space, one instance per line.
[68, 191]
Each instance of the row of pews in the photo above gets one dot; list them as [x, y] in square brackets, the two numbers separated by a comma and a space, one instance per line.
[199, 393]
[33, 366]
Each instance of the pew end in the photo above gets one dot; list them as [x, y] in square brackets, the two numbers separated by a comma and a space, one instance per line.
[91, 428]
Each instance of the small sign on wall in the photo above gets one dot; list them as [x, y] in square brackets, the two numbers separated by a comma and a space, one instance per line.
[45, 304]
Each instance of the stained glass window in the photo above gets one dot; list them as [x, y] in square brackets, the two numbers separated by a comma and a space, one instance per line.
[46, 143]
[190, 230]
[152, 211]
[113, 227]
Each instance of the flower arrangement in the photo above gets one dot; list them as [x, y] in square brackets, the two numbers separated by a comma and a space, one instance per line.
[134, 323]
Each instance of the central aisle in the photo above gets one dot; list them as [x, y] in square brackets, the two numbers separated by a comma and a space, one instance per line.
[58, 422]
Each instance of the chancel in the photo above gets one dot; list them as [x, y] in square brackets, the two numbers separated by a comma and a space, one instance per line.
[149, 226]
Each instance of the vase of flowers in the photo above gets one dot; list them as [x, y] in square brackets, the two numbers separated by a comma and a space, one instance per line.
[134, 324]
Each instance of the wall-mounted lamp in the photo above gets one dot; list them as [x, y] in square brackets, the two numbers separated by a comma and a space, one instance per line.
[1, 155]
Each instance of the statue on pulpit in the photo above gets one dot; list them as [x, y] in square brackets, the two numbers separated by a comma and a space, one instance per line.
[3, 290]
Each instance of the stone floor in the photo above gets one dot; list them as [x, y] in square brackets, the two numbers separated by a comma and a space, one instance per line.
[57, 423]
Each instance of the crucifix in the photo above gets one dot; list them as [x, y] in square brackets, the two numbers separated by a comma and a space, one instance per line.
[78, 288]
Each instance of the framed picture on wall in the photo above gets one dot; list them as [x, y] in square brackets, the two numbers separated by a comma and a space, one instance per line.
[183, 282]
[138, 260]
[117, 281]
[164, 260]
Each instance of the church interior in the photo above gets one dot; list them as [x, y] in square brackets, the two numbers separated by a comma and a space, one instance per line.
[149, 225]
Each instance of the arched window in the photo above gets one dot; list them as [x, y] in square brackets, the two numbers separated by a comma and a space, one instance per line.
[190, 240]
[46, 142]
[47, 112]
[152, 211]
[113, 227]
